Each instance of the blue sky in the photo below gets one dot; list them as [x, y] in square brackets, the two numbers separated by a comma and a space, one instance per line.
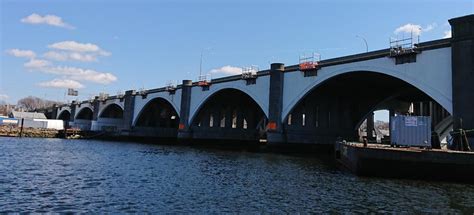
[112, 46]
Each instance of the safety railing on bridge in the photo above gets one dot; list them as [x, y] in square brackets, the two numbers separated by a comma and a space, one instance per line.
[143, 92]
[171, 87]
[309, 64]
[249, 74]
[103, 97]
[404, 50]
[204, 81]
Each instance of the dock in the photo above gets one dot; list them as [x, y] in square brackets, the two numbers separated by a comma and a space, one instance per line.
[408, 162]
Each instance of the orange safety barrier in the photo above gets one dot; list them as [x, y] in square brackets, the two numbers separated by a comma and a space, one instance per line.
[203, 83]
[272, 126]
[308, 65]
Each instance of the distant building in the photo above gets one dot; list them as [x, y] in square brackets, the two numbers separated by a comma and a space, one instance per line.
[32, 120]
[26, 115]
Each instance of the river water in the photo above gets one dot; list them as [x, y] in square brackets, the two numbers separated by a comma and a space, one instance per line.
[57, 175]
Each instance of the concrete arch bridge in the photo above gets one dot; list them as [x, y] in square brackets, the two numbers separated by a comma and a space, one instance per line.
[291, 104]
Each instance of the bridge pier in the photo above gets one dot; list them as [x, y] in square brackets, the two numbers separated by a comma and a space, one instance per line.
[73, 113]
[462, 53]
[95, 114]
[275, 132]
[370, 127]
[184, 131]
[128, 110]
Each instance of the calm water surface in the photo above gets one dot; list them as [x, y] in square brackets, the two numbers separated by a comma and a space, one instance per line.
[55, 175]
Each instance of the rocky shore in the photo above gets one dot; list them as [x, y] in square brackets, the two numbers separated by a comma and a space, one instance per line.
[13, 131]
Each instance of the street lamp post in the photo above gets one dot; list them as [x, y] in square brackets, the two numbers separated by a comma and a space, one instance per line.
[365, 41]
[200, 62]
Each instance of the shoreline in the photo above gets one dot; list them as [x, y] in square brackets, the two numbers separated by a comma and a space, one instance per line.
[14, 131]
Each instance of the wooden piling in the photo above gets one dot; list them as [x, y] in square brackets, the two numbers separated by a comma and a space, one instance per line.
[21, 127]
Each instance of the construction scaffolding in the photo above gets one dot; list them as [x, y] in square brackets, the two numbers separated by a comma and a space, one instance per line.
[403, 46]
[204, 80]
[142, 92]
[249, 72]
[309, 62]
[120, 94]
[171, 86]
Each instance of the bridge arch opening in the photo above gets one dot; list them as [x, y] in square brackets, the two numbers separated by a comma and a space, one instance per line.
[85, 114]
[380, 127]
[65, 115]
[229, 114]
[158, 113]
[338, 106]
[112, 111]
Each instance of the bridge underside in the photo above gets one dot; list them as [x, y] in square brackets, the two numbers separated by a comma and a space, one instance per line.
[336, 108]
[229, 115]
[158, 120]
[111, 119]
[83, 119]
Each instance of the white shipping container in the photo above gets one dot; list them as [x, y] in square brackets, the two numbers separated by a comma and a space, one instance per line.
[42, 123]
[52, 123]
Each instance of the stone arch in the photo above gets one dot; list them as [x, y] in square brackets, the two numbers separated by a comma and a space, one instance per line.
[434, 93]
[337, 106]
[64, 115]
[232, 112]
[263, 105]
[167, 114]
[112, 111]
[85, 113]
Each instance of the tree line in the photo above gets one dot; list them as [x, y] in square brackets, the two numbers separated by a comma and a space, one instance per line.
[30, 103]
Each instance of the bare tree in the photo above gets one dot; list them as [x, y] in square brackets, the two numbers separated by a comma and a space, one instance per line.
[31, 103]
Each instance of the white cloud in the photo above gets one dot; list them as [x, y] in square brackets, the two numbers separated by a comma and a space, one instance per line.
[70, 56]
[4, 97]
[447, 34]
[409, 28]
[82, 57]
[61, 83]
[22, 53]
[74, 46]
[37, 63]
[430, 27]
[57, 56]
[80, 74]
[415, 29]
[67, 76]
[53, 20]
[227, 70]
